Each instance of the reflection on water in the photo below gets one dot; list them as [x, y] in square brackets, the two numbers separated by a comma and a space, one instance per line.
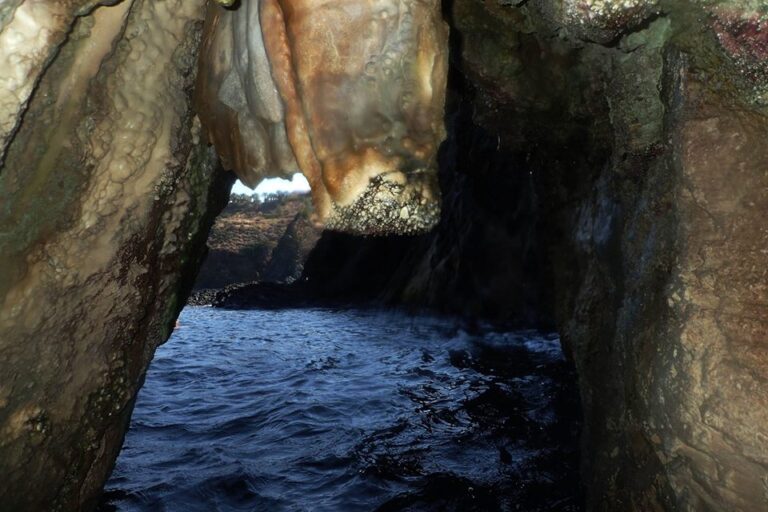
[355, 410]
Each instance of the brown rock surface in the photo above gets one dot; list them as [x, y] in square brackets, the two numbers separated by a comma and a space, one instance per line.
[344, 91]
[105, 203]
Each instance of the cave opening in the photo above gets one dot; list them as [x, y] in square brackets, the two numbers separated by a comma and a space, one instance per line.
[459, 398]
[489, 264]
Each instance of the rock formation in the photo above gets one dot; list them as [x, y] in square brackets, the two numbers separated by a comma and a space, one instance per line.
[605, 166]
[106, 197]
[286, 262]
[344, 91]
[244, 243]
[641, 125]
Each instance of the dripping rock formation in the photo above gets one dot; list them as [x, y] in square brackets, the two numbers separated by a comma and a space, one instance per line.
[604, 171]
[344, 91]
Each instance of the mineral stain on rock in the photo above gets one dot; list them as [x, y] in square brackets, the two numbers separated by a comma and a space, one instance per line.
[344, 92]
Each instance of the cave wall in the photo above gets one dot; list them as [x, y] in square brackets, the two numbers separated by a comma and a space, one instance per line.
[106, 197]
[658, 257]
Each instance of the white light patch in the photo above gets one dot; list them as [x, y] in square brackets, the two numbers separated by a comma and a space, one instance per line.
[298, 183]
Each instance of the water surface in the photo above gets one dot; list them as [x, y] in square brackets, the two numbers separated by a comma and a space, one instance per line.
[353, 410]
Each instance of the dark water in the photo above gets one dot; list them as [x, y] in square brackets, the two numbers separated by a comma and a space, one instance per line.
[319, 410]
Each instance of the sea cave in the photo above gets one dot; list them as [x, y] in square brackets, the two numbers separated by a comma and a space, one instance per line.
[555, 206]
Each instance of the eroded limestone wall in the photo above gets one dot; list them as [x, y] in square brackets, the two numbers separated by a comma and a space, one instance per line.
[106, 196]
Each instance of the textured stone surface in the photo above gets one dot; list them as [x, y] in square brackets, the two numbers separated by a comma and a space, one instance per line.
[105, 202]
[658, 251]
[344, 91]
[30, 34]
[714, 438]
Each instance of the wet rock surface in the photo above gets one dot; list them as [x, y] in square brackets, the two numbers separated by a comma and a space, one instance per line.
[105, 203]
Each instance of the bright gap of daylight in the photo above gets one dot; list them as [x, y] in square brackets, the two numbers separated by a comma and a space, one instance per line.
[298, 183]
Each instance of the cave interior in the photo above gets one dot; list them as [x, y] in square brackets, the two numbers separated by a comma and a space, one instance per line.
[597, 168]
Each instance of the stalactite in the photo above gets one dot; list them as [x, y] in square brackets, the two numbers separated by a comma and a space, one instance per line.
[350, 93]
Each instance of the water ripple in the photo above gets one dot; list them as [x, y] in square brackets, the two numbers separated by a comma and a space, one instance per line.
[320, 410]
